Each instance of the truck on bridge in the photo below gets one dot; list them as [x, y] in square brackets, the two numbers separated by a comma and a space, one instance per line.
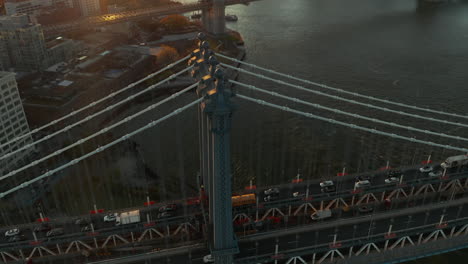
[455, 161]
[126, 218]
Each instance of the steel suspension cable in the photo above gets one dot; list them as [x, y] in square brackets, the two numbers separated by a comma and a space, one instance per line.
[100, 149]
[131, 97]
[350, 125]
[341, 90]
[346, 113]
[102, 131]
[94, 103]
[345, 99]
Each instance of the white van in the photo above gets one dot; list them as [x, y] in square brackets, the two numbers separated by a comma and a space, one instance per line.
[455, 161]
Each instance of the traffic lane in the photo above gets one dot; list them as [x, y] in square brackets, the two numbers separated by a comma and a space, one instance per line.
[345, 183]
[348, 232]
[41, 236]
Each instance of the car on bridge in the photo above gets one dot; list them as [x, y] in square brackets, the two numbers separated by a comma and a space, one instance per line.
[271, 191]
[164, 215]
[391, 180]
[365, 209]
[81, 221]
[366, 177]
[44, 227]
[425, 169]
[12, 232]
[326, 183]
[271, 197]
[208, 259]
[110, 217]
[321, 214]
[328, 189]
[86, 228]
[394, 174]
[361, 184]
[17, 238]
[55, 232]
[437, 173]
[168, 208]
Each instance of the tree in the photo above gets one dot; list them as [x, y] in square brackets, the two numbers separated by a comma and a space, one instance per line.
[167, 55]
[175, 22]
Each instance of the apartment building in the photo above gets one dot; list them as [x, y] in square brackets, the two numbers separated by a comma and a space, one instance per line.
[13, 123]
[31, 6]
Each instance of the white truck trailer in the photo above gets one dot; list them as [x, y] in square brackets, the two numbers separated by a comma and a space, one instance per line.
[126, 218]
[455, 161]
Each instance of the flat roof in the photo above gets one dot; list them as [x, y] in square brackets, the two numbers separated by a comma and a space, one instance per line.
[5, 74]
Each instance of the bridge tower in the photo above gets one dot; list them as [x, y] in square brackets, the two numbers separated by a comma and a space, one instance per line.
[213, 17]
[215, 114]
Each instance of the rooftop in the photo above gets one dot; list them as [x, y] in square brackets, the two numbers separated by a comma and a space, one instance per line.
[4, 74]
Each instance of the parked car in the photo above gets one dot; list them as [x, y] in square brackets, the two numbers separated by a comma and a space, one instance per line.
[436, 173]
[365, 209]
[55, 232]
[391, 180]
[168, 208]
[427, 168]
[12, 232]
[271, 191]
[42, 228]
[110, 217]
[362, 184]
[327, 189]
[326, 183]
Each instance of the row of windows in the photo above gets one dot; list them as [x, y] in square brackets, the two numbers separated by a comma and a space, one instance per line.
[14, 106]
[14, 146]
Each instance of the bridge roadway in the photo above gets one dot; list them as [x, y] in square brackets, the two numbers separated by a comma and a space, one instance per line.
[259, 248]
[112, 18]
[344, 184]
